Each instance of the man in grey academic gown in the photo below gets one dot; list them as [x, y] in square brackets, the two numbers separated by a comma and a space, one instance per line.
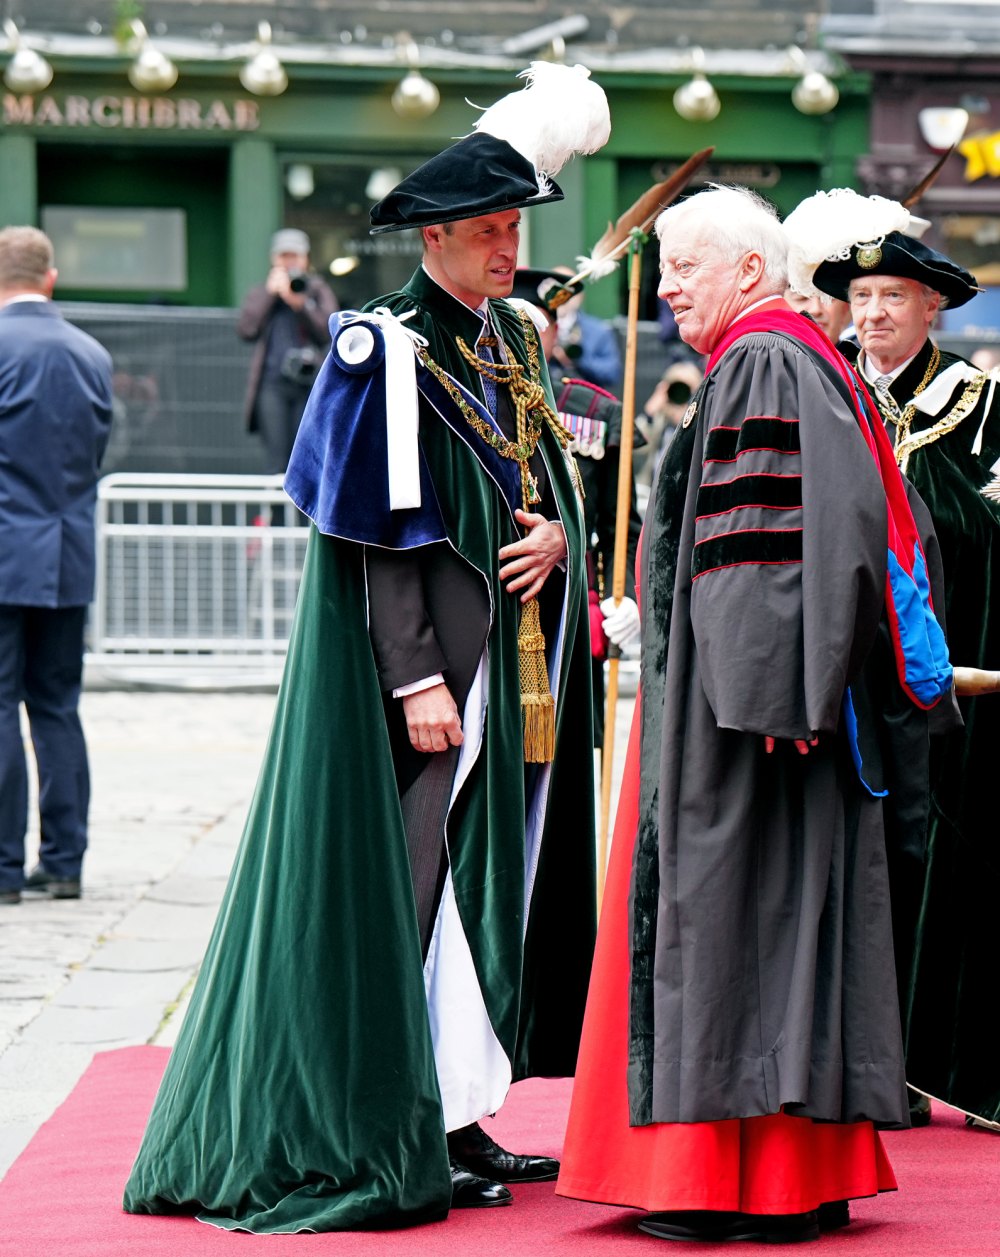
[762, 976]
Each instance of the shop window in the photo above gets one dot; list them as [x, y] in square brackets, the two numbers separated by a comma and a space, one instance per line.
[330, 202]
[973, 241]
[118, 249]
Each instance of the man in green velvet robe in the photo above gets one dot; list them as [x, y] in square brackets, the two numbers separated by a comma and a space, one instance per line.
[409, 924]
[943, 415]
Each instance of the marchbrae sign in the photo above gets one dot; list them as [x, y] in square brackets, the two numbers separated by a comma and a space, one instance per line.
[130, 113]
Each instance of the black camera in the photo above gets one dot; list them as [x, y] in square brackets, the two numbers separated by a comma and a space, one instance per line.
[298, 281]
[679, 392]
[301, 363]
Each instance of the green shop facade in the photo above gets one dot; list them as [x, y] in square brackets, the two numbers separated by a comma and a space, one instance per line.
[163, 205]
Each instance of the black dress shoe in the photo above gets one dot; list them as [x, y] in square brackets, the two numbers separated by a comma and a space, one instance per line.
[469, 1191]
[717, 1226]
[10, 896]
[920, 1110]
[473, 1148]
[981, 1123]
[55, 887]
[834, 1214]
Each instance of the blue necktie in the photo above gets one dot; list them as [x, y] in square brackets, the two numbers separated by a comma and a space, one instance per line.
[486, 353]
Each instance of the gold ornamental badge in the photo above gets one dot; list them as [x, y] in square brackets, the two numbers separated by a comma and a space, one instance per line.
[869, 256]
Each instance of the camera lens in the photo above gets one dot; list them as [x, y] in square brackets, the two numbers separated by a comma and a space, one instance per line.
[297, 281]
[678, 392]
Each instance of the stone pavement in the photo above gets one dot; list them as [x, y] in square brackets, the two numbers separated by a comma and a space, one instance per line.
[172, 778]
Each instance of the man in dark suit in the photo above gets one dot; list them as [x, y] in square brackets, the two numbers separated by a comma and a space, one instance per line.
[55, 413]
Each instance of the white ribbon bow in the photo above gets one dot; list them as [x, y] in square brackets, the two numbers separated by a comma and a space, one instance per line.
[355, 344]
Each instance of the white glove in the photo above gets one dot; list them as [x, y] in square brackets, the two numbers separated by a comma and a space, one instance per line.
[621, 623]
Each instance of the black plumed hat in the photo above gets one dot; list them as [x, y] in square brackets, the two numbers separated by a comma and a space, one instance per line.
[509, 160]
[478, 175]
[542, 288]
[901, 255]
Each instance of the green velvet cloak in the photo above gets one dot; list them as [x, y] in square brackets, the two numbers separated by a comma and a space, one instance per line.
[303, 1093]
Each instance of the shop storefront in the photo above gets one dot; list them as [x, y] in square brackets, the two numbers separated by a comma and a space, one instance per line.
[171, 198]
[161, 206]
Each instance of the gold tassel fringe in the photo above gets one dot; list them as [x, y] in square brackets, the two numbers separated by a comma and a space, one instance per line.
[537, 705]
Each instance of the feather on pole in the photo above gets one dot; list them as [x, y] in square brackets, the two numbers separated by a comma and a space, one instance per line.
[605, 255]
[914, 195]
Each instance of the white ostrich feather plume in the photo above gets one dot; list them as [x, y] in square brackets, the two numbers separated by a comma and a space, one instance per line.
[596, 268]
[826, 226]
[560, 111]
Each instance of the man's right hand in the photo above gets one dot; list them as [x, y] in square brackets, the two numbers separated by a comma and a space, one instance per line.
[432, 719]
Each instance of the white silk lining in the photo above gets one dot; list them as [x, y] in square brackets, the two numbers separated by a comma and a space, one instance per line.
[474, 1073]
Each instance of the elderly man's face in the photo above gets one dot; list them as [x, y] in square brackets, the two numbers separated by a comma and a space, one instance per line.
[831, 315]
[701, 286]
[892, 317]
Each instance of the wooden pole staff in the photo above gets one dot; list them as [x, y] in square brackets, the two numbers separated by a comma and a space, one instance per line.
[622, 512]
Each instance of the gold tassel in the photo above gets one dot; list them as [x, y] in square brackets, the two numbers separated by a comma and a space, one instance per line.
[537, 703]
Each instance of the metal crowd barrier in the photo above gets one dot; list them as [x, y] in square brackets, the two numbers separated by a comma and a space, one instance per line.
[196, 580]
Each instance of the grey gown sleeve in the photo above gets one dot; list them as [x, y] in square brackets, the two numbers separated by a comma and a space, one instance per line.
[788, 572]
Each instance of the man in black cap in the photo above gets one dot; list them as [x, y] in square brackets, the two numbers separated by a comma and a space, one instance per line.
[944, 417]
[286, 319]
[409, 923]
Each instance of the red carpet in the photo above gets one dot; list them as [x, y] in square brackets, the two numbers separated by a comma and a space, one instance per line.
[62, 1198]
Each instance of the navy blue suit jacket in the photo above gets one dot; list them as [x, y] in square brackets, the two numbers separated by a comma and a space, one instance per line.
[55, 415]
[600, 360]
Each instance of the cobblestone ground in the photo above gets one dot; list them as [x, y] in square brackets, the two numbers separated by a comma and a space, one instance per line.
[173, 775]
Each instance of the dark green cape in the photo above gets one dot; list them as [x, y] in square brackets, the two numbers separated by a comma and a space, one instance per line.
[302, 1093]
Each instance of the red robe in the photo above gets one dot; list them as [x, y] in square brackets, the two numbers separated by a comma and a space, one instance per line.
[774, 1164]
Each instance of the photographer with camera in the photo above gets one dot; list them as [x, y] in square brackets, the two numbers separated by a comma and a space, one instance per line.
[287, 318]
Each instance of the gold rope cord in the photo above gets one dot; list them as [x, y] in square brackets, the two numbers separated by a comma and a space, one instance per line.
[538, 707]
[532, 412]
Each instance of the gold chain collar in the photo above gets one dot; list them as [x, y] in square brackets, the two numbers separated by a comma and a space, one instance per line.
[916, 440]
[533, 413]
[907, 442]
[531, 407]
[903, 418]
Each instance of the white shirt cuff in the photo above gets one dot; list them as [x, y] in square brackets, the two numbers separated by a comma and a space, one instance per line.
[414, 687]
